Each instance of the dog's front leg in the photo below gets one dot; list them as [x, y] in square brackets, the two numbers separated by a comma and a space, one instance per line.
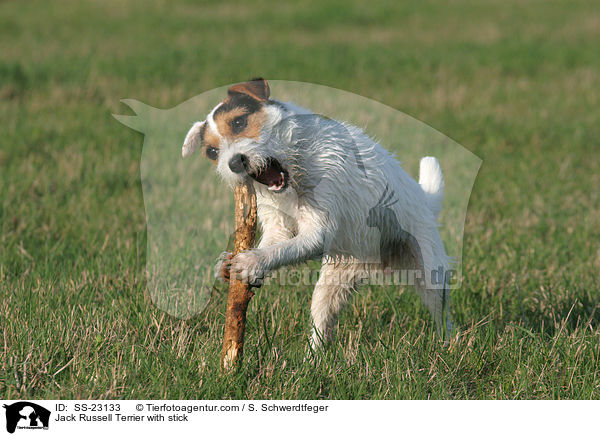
[276, 225]
[275, 231]
[251, 266]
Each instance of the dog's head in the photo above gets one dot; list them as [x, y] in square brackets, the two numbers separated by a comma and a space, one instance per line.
[236, 135]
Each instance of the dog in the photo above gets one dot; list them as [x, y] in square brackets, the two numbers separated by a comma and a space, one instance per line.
[325, 190]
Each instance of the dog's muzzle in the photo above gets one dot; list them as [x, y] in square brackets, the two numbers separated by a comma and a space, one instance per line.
[272, 174]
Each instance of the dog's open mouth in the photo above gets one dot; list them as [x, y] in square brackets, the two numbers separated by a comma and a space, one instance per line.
[273, 175]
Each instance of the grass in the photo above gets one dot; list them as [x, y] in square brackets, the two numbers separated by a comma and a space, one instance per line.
[517, 83]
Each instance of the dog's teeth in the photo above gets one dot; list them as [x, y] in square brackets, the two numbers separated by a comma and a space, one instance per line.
[278, 186]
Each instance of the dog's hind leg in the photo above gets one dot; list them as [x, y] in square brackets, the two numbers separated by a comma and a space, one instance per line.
[331, 293]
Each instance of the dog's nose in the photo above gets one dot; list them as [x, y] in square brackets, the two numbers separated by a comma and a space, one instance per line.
[237, 163]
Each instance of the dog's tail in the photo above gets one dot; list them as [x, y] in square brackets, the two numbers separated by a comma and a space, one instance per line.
[432, 182]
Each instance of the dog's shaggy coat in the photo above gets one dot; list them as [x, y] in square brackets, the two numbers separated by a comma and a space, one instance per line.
[325, 190]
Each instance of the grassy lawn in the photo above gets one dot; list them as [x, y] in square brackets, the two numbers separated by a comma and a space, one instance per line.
[515, 82]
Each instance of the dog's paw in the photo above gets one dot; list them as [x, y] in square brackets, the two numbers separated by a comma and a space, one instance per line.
[221, 270]
[248, 267]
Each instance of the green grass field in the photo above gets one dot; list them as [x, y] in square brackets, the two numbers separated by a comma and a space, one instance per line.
[515, 82]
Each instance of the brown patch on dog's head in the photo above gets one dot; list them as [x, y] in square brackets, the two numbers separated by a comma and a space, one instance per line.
[239, 122]
[256, 88]
[242, 113]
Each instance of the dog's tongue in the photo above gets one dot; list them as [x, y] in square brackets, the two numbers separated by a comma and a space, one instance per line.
[272, 177]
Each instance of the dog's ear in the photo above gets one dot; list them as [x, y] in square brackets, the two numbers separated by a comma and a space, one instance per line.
[256, 88]
[193, 139]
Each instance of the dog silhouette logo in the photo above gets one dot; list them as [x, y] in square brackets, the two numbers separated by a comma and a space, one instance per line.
[333, 161]
[402, 247]
[26, 415]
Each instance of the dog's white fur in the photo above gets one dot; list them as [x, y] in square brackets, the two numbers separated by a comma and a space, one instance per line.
[337, 177]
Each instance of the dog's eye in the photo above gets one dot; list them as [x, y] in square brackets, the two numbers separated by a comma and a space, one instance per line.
[239, 123]
[212, 153]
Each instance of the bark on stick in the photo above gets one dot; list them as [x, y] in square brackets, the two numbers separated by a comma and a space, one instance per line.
[239, 293]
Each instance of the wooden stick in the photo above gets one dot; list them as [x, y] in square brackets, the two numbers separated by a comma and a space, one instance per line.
[239, 293]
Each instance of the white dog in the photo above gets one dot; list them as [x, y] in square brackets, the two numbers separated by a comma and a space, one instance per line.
[325, 190]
